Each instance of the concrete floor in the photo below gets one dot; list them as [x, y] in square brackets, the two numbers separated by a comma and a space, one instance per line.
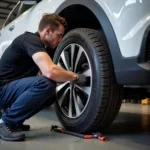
[130, 131]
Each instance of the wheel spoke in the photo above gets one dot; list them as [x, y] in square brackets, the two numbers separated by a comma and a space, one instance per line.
[70, 104]
[61, 86]
[64, 60]
[78, 58]
[59, 64]
[78, 112]
[63, 96]
[87, 72]
[72, 55]
[73, 99]
[80, 101]
[86, 90]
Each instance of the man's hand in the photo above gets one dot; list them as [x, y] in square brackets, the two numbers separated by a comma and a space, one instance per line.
[81, 80]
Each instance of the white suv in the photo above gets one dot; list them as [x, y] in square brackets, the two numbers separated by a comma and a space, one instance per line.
[107, 40]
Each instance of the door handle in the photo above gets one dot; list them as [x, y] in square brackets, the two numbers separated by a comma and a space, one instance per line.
[11, 28]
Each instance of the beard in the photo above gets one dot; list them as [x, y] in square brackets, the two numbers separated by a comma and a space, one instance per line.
[47, 44]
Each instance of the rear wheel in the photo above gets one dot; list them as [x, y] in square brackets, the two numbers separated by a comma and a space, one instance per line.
[90, 108]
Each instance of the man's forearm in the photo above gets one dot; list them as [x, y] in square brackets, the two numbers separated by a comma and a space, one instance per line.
[59, 74]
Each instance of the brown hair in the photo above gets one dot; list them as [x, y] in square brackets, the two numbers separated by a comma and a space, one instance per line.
[53, 21]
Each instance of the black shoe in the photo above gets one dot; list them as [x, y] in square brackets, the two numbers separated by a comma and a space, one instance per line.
[7, 134]
[22, 127]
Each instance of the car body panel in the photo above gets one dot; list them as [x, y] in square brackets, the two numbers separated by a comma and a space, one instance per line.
[20, 25]
[130, 19]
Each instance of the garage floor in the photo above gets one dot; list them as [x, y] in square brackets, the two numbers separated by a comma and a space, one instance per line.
[131, 130]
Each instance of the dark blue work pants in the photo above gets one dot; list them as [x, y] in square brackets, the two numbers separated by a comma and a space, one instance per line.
[21, 99]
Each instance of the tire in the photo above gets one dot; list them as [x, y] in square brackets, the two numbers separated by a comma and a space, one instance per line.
[104, 100]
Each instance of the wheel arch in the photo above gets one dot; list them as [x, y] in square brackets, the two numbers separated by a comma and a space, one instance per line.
[74, 10]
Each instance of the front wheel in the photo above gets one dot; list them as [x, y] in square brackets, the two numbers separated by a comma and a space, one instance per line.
[95, 106]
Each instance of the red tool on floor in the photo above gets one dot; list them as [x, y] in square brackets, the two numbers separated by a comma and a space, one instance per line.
[97, 135]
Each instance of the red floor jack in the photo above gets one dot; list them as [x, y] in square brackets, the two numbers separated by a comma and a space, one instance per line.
[97, 135]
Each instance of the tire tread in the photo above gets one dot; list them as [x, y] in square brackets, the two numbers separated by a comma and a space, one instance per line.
[109, 92]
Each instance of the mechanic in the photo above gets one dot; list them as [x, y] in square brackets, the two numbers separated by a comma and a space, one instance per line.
[22, 92]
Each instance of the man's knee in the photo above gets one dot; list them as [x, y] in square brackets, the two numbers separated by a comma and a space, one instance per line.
[46, 84]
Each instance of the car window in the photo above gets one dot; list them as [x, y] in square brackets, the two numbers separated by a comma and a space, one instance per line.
[13, 14]
[23, 8]
[18, 10]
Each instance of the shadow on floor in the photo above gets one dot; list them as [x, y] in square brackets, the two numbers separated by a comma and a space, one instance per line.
[127, 123]
[48, 113]
[132, 127]
[129, 126]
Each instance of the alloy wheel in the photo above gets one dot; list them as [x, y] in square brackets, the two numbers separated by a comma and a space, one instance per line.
[72, 98]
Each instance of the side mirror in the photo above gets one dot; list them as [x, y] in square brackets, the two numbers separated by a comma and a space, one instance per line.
[29, 2]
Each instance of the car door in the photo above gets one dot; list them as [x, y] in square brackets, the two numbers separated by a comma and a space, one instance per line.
[15, 24]
[20, 24]
[7, 28]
